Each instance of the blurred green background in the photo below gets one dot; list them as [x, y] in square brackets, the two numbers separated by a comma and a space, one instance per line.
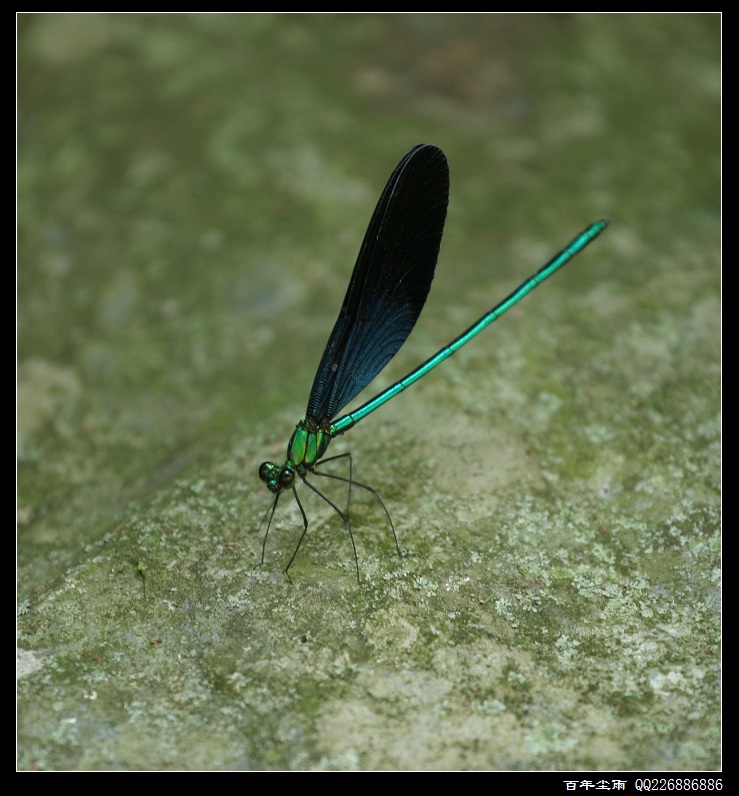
[193, 190]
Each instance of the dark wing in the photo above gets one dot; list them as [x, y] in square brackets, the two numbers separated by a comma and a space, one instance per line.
[390, 282]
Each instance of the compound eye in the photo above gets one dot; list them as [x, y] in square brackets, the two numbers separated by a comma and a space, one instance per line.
[287, 476]
[265, 470]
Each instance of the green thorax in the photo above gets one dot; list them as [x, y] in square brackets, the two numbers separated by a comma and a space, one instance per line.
[307, 445]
